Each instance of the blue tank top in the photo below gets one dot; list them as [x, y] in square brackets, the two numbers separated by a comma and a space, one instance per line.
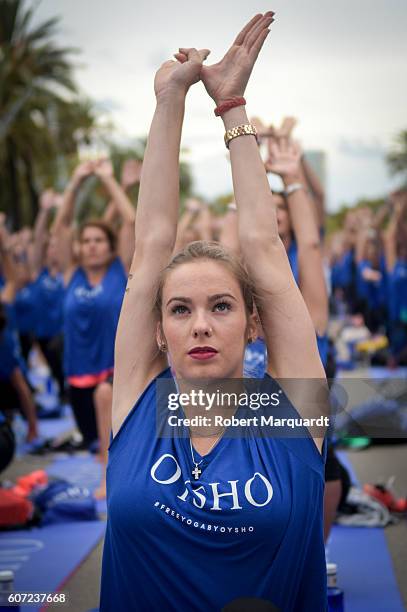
[25, 308]
[50, 304]
[397, 292]
[91, 315]
[251, 526]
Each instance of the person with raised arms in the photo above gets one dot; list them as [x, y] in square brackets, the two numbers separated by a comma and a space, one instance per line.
[94, 291]
[195, 523]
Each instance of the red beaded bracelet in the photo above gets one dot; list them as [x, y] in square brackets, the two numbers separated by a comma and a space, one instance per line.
[231, 103]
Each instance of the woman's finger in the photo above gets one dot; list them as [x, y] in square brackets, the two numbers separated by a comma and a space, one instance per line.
[204, 54]
[193, 54]
[274, 150]
[288, 125]
[241, 36]
[283, 144]
[256, 47]
[258, 30]
[296, 148]
[181, 57]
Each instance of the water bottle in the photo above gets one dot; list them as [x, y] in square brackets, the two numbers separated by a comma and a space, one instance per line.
[335, 595]
[6, 589]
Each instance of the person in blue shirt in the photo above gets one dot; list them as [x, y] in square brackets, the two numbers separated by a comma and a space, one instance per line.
[344, 270]
[196, 522]
[49, 289]
[94, 288]
[15, 393]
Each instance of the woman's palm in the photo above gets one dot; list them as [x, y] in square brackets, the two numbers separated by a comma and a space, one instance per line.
[228, 78]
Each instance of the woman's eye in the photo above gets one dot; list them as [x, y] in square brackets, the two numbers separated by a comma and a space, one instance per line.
[179, 309]
[222, 306]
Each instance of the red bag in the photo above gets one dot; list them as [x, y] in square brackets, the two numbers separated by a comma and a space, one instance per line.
[26, 484]
[14, 509]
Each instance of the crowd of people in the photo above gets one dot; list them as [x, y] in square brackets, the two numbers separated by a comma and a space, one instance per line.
[313, 296]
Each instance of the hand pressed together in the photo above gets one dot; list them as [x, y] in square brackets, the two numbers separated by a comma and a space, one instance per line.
[224, 80]
[229, 77]
[178, 76]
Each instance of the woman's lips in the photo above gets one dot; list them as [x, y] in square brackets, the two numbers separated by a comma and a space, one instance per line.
[202, 353]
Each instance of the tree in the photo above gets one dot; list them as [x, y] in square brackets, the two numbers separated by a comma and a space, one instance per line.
[41, 117]
[397, 157]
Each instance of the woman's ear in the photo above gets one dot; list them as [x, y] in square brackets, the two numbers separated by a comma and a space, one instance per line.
[252, 327]
[159, 334]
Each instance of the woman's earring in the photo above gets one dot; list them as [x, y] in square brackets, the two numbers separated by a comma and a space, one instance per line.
[163, 348]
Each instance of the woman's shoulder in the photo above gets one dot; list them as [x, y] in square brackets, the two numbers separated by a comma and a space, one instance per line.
[147, 397]
[73, 276]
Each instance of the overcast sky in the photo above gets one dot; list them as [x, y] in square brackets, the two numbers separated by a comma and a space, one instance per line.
[340, 67]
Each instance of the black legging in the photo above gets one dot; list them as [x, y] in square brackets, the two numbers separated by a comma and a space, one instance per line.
[83, 408]
[7, 445]
[52, 349]
[26, 343]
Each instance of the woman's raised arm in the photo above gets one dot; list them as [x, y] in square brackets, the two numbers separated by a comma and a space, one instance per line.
[62, 226]
[47, 200]
[124, 208]
[289, 332]
[9, 270]
[285, 161]
[137, 358]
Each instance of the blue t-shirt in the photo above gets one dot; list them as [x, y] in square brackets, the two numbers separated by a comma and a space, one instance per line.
[397, 292]
[343, 270]
[91, 315]
[25, 308]
[50, 304]
[373, 292]
[251, 526]
[9, 358]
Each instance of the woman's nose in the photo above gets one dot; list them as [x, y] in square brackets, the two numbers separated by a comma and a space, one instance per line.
[201, 327]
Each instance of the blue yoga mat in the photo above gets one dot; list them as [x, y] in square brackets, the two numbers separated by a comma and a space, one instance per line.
[50, 428]
[365, 568]
[84, 471]
[43, 559]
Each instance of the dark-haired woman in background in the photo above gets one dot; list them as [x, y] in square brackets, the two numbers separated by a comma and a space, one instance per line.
[94, 292]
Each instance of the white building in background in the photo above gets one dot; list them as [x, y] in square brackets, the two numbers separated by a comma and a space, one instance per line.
[318, 162]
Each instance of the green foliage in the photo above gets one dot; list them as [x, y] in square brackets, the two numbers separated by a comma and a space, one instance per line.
[45, 125]
[335, 221]
[93, 199]
[42, 118]
[397, 157]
